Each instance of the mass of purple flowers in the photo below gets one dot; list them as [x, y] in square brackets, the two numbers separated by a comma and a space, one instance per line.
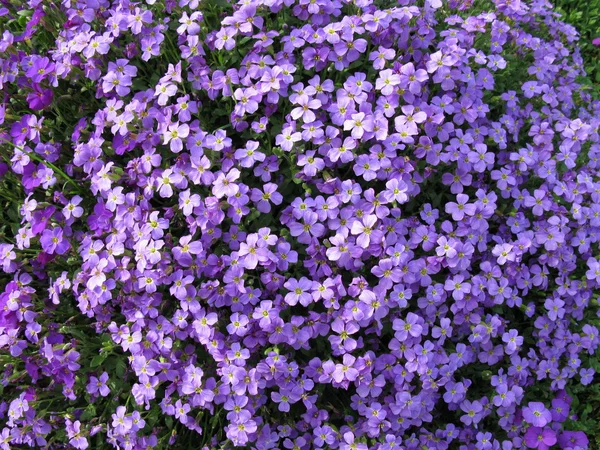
[297, 224]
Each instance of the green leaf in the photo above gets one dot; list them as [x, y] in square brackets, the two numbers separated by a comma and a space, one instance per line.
[120, 368]
[214, 421]
[88, 413]
[97, 360]
[139, 85]
[220, 3]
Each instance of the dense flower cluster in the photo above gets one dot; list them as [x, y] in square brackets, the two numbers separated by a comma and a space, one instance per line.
[296, 224]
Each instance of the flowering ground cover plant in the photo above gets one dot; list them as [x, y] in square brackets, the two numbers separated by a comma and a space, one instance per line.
[296, 224]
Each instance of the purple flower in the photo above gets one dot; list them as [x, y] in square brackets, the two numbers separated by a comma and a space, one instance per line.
[265, 197]
[594, 270]
[225, 185]
[40, 68]
[537, 414]
[53, 241]
[396, 191]
[304, 109]
[121, 422]
[513, 342]
[560, 410]
[249, 155]
[345, 371]
[412, 326]
[573, 439]
[175, 136]
[587, 375]
[458, 287]
[74, 432]
[299, 291]
[365, 229]
[540, 438]
[359, 123]
[461, 208]
[473, 412]
[40, 98]
[181, 410]
[98, 385]
[309, 227]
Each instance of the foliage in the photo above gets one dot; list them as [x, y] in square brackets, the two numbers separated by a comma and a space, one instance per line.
[584, 15]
